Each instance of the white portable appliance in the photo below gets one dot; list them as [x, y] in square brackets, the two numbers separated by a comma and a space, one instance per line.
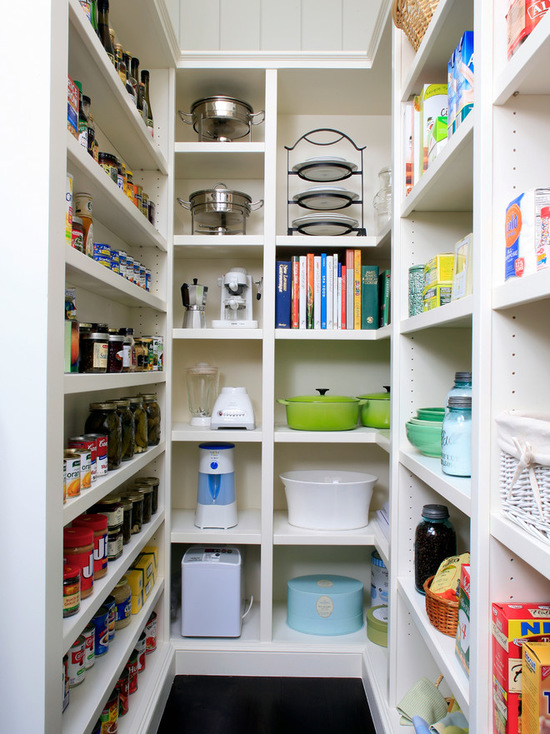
[212, 591]
[216, 502]
[236, 300]
[233, 409]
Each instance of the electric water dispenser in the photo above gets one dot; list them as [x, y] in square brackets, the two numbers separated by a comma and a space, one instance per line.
[216, 502]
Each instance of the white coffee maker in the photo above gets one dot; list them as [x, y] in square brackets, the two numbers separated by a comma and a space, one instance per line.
[236, 300]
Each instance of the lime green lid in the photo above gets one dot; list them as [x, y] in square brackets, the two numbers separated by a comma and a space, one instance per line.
[377, 625]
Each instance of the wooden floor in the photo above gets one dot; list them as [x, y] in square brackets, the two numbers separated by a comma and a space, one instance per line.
[243, 705]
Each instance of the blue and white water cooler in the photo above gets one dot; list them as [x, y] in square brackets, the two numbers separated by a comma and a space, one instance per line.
[216, 502]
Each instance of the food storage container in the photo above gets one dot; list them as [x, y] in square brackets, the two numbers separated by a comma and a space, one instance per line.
[325, 604]
[328, 500]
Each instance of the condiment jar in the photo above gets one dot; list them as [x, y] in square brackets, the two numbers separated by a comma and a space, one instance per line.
[127, 520]
[142, 354]
[122, 594]
[154, 483]
[111, 507]
[110, 164]
[115, 354]
[456, 437]
[78, 551]
[137, 510]
[94, 350]
[98, 524]
[128, 349]
[140, 424]
[146, 490]
[128, 430]
[104, 419]
[71, 590]
[77, 234]
[152, 409]
[434, 540]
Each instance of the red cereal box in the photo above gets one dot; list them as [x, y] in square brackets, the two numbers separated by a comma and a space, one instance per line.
[522, 17]
[513, 624]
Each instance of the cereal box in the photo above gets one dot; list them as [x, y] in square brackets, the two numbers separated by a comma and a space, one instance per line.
[523, 231]
[535, 716]
[464, 70]
[513, 625]
[72, 108]
[462, 645]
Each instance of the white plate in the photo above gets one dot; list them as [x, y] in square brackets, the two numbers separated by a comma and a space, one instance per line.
[325, 168]
[328, 226]
[322, 198]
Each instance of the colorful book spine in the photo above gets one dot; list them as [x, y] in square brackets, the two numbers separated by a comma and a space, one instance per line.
[357, 289]
[309, 287]
[295, 293]
[369, 297]
[350, 269]
[323, 290]
[330, 292]
[344, 297]
[335, 301]
[339, 297]
[384, 297]
[302, 297]
[282, 294]
[317, 292]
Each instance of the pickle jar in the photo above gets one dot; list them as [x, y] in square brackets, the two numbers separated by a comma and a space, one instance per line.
[152, 409]
[104, 419]
[144, 488]
[137, 509]
[126, 520]
[128, 429]
[154, 483]
[140, 424]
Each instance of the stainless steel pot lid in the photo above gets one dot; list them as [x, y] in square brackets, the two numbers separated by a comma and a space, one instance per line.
[322, 198]
[324, 168]
[325, 225]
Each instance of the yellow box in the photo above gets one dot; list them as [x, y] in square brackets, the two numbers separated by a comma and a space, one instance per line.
[439, 269]
[437, 295]
[146, 561]
[535, 701]
[153, 549]
[136, 603]
[135, 580]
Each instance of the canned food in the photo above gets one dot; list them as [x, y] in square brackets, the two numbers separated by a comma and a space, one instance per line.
[100, 439]
[140, 649]
[122, 688]
[77, 234]
[83, 443]
[101, 626]
[71, 470]
[142, 276]
[104, 260]
[132, 668]
[76, 668]
[115, 261]
[89, 645]
[110, 603]
[122, 262]
[151, 634]
[147, 279]
[109, 715]
[129, 274]
[85, 468]
[100, 248]
[137, 266]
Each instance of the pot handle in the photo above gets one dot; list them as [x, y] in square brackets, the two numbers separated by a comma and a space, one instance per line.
[362, 401]
[184, 204]
[187, 117]
[322, 390]
[259, 115]
[256, 205]
[282, 401]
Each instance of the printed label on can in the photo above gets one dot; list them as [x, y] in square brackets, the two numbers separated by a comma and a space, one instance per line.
[85, 468]
[76, 669]
[151, 634]
[123, 610]
[89, 646]
[71, 467]
[102, 249]
[101, 632]
[77, 240]
[104, 260]
[86, 444]
[102, 463]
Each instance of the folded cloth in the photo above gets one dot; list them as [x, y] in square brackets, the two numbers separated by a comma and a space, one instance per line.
[457, 720]
[424, 700]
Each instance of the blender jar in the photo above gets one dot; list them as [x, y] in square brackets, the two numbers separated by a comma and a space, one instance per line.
[202, 391]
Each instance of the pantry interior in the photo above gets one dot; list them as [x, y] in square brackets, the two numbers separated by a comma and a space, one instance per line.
[301, 65]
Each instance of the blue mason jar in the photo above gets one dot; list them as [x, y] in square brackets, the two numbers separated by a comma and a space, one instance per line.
[456, 437]
[462, 386]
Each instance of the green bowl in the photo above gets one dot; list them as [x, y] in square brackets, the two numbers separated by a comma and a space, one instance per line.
[426, 439]
[430, 414]
[425, 423]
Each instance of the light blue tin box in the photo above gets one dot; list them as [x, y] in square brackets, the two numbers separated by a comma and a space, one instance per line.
[325, 604]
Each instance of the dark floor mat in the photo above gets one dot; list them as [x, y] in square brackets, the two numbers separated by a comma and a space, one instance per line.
[250, 705]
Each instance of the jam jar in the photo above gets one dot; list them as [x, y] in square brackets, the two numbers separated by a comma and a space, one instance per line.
[104, 419]
[93, 348]
[153, 418]
[115, 354]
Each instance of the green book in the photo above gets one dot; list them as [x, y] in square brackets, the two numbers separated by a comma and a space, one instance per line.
[369, 296]
[384, 297]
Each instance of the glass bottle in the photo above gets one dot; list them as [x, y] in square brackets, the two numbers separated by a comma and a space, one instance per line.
[149, 120]
[120, 65]
[142, 104]
[134, 76]
[104, 30]
[462, 386]
[91, 134]
[382, 201]
[129, 348]
[129, 86]
[434, 540]
[456, 437]
[93, 14]
[82, 117]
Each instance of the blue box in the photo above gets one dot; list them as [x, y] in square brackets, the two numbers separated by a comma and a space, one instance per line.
[325, 604]
[464, 71]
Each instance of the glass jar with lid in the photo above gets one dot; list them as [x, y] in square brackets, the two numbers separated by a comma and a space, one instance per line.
[128, 428]
[142, 355]
[94, 349]
[115, 356]
[434, 540]
[152, 409]
[136, 498]
[462, 386]
[141, 436]
[104, 419]
[456, 437]
[122, 594]
[128, 350]
[382, 201]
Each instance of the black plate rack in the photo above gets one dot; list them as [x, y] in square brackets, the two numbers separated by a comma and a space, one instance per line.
[309, 168]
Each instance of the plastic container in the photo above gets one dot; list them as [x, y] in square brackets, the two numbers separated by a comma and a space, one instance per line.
[325, 605]
[379, 586]
[377, 625]
[328, 500]
[434, 540]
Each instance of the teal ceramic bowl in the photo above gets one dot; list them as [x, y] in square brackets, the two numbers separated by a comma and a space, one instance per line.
[430, 414]
[427, 439]
[425, 423]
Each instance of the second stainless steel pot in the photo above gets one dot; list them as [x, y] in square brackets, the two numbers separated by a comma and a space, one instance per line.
[221, 118]
[219, 210]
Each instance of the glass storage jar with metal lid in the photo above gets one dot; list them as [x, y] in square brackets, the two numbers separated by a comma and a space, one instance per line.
[146, 490]
[154, 483]
[111, 507]
[122, 593]
[456, 437]
[109, 163]
[153, 418]
[115, 355]
[434, 540]
[94, 349]
[128, 428]
[140, 424]
[104, 418]
[137, 510]
[126, 520]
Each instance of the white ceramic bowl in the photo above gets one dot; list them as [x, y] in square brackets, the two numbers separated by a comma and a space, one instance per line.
[328, 500]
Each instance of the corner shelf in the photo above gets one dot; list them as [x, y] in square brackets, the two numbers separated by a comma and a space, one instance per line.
[455, 489]
[247, 531]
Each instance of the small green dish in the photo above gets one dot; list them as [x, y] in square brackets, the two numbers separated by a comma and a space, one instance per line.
[430, 414]
[425, 438]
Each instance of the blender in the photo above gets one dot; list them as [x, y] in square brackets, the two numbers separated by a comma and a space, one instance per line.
[202, 389]
[194, 301]
[216, 503]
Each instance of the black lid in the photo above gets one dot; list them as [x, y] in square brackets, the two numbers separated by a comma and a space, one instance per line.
[463, 376]
[435, 512]
[460, 401]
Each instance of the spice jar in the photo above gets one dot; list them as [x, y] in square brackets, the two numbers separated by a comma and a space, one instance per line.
[434, 540]
[128, 431]
[98, 524]
[122, 594]
[152, 409]
[456, 437]
[94, 350]
[71, 590]
[141, 435]
[104, 419]
[137, 510]
[110, 165]
[78, 550]
[115, 354]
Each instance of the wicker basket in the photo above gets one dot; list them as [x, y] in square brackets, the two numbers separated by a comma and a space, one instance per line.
[413, 18]
[524, 505]
[442, 613]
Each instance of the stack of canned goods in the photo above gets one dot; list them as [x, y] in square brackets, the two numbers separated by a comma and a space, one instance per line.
[125, 265]
[124, 179]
